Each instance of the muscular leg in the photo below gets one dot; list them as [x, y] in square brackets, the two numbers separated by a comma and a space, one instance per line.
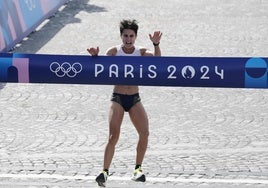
[140, 120]
[115, 120]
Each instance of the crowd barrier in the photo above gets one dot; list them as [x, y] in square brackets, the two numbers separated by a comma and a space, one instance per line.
[232, 72]
[18, 18]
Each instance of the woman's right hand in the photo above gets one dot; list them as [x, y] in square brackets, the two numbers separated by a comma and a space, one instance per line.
[93, 51]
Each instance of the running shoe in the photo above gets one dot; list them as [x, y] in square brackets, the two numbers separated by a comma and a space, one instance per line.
[138, 175]
[102, 178]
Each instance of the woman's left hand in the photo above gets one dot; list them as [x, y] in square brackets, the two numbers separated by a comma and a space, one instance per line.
[156, 37]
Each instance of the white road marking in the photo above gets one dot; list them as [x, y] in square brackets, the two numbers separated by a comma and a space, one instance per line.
[149, 179]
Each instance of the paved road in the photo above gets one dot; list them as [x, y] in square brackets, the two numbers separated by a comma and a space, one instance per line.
[53, 136]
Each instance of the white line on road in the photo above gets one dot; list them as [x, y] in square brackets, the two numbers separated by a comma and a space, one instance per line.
[117, 178]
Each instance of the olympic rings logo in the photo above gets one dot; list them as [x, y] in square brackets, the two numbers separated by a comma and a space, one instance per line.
[65, 69]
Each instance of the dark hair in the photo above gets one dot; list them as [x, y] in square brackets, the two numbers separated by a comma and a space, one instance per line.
[129, 24]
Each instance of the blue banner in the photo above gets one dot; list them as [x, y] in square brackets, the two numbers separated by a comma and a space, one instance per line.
[232, 72]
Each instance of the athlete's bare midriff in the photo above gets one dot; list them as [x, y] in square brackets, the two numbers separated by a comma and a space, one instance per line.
[125, 89]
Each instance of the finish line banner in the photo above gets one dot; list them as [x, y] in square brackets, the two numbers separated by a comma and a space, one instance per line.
[231, 72]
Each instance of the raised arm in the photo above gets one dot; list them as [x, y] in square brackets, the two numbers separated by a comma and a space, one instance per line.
[155, 38]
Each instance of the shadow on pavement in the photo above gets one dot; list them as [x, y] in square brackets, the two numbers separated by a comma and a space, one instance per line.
[67, 16]
[2, 85]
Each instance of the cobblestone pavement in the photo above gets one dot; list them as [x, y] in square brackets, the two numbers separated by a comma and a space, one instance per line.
[53, 136]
